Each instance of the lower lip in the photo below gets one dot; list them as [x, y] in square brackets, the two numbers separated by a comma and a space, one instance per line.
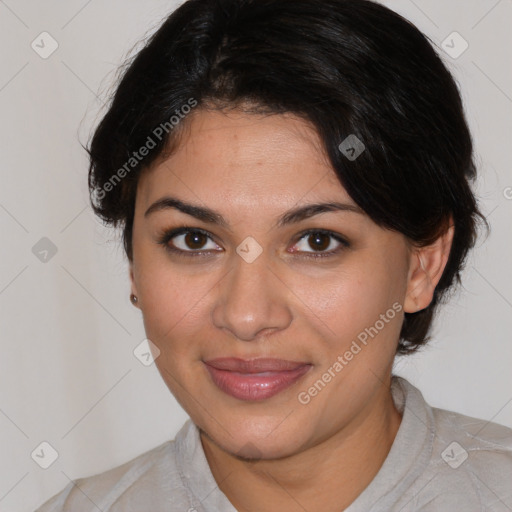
[255, 386]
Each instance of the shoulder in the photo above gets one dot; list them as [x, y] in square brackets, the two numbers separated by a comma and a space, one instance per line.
[456, 462]
[135, 483]
[475, 444]
[460, 437]
[472, 459]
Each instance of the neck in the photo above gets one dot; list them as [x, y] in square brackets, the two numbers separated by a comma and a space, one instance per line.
[327, 476]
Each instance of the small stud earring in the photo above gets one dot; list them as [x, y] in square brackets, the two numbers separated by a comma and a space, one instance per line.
[134, 299]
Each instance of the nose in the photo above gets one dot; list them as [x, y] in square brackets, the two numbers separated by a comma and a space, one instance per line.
[252, 301]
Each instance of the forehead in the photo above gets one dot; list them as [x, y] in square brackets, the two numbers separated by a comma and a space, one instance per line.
[231, 157]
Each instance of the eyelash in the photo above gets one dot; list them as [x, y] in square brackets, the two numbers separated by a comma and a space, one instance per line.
[166, 235]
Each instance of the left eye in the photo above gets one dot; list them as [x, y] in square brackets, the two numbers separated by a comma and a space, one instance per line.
[320, 242]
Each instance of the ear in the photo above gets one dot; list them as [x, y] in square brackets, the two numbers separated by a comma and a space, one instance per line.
[133, 286]
[426, 268]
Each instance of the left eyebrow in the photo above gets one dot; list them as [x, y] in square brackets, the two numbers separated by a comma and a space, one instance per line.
[210, 216]
[305, 212]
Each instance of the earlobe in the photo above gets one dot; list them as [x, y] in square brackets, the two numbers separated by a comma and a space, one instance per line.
[427, 266]
[133, 295]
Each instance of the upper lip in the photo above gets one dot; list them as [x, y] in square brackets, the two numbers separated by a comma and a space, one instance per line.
[235, 364]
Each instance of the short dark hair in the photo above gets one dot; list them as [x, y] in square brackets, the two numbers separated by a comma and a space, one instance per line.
[350, 67]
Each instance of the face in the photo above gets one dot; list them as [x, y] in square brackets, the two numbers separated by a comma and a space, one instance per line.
[275, 330]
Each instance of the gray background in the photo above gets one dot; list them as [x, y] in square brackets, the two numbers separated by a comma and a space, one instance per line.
[68, 373]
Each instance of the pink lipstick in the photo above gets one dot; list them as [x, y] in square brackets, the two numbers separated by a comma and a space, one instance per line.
[254, 379]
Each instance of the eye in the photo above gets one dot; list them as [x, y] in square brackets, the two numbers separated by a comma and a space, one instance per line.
[187, 242]
[322, 242]
[193, 242]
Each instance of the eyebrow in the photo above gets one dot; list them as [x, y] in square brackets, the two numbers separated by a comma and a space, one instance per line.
[210, 216]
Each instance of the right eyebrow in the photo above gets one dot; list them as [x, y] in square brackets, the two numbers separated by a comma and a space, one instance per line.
[199, 212]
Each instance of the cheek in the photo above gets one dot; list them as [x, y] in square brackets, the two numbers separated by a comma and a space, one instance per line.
[350, 299]
[172, 302]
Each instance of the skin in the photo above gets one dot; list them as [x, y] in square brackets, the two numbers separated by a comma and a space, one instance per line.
[251, 169]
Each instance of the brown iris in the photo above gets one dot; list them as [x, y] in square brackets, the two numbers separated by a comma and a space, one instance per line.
[195, 240]
[319, 241]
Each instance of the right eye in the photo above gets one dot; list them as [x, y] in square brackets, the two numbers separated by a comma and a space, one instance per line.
[187, 242]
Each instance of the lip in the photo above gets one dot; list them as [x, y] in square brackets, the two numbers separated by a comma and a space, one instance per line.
[254, 379]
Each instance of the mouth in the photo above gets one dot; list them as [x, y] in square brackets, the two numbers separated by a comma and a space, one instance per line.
[254, 379]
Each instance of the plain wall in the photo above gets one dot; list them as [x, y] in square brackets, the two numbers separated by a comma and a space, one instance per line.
[68, 330]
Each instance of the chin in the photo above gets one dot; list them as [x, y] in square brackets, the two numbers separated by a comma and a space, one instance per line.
[262, 450]
[255, 439]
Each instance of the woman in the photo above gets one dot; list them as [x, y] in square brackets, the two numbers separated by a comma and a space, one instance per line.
[293, 183]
